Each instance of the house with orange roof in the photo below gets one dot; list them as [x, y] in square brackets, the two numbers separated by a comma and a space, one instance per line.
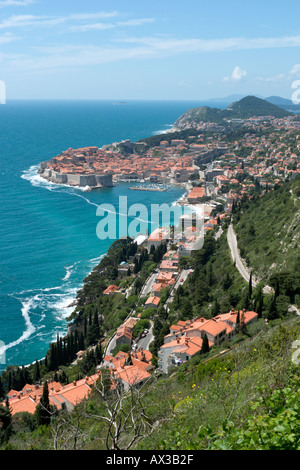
[110, 290]
[123, 335]
[111, 362]
[196, 194]
[217, 330]
[156, 289]
[143, 355]
[62, 397]
[179, 350]
[168, 265]
[159, 236]
[130, 376]
[152, 302]
[245, 317]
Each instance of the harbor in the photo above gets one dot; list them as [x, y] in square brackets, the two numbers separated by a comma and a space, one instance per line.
[140, 188]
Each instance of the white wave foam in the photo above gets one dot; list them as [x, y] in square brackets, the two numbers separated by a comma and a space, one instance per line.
[98, 259]
[175, 203]
[30, 329]
[69, 271]
[36, 180]
[164, 131]
[86, 199]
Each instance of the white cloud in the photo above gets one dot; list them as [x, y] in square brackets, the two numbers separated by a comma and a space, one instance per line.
[103, 26]
[6, 38]
[295, 70]
[93, 16]
[275, 78]
[18, 21]
[213, 45]
[237, 74]
[19, 3]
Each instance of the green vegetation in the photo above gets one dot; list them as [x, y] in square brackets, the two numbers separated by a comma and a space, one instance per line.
[94, 319]
[241, 395]
[247, 107]
[268, 238]
[247, 399]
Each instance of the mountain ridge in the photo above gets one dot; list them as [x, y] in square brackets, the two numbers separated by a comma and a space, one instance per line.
[249, 106]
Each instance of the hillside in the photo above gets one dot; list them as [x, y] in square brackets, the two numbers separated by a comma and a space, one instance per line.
[249, 106]
[284, 103]
[252, 106]
[240, 400]
[243, 394]
[268, 230]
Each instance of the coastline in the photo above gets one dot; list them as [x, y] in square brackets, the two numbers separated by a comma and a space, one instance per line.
[38, 180]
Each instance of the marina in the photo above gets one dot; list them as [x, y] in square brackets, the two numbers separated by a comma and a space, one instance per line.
[140, 188]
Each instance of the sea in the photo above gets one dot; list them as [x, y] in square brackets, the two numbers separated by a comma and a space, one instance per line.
[48, 232]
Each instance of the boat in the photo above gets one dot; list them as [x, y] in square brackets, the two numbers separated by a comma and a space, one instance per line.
[140, 188]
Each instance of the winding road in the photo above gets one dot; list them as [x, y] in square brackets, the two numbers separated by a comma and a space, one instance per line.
[239, 263]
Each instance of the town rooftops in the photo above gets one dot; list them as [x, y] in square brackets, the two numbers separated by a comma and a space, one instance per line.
[159, 234]
[111, 289]
[231, 317]
[153, 300]
[132, 375]
[189, 345]
[71, 394]
[124, 331]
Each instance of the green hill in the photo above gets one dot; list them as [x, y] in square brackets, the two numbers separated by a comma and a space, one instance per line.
[268, 230]
[247, 107]
[252, 106]
[241, 395]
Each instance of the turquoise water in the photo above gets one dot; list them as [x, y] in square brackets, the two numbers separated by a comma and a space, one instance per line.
[48, 232]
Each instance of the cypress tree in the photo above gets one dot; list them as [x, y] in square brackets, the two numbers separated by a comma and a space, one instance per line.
[1, 389]
[93, 332]
[259, 302]
[99, 353]
[36, 373]
[215, 308]
[205, 345]
[272, 311]
[43, 409]
[9, 380]
[85, 326]
[250, 286]
[6, 427]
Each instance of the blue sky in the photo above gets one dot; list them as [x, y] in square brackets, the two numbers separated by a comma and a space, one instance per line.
[158, 49]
